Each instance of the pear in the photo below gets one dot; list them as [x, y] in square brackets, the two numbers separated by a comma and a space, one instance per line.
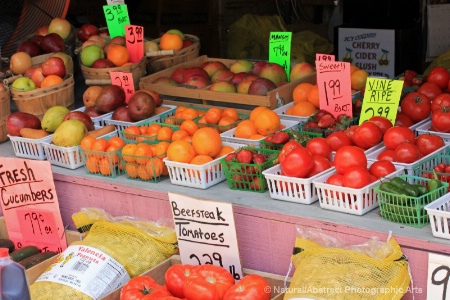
[53, 117]
[69, 133]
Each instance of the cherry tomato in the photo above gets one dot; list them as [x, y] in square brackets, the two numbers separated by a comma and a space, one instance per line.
[430, 89]
[381, 168]
[403, 120]
[210, 282]
[440, 120]
[338, 139]
[297, 163]
[382, 122]
[387, 154]
[321, 164]
[397, 135]
[319, 146]
[349, 156]
[251, 287]
[440, 101]
[175, 277]
[440, 76]
[407, 153]
[417, 106]
[367, 135]
[356, 177]
[440, 168]
[428, 143]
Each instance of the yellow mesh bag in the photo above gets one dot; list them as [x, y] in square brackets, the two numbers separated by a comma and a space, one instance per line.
[340, 274]
[136, 245]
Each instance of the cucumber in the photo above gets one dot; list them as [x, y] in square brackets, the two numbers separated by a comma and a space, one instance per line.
[422, 189]
[407, 187]
[7, 243]
[36, 258]
[22, 253]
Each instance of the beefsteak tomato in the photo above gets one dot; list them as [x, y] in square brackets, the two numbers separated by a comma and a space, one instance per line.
[430, 89]
[338, 139]
[386, 154]
[416, 106]
[428, 143]
[210, 282]
[251, 287]
[407, 153]
[176, 276]
[321, 164]
[349, 156]
[382, 122]
[143, 288]
[319, 146]
[440, 76]
[397, 135]
[440, 120]
[298, 163]
[441, 101]
[356, 177]
[287, 148]
[381, 168]
[367, 135]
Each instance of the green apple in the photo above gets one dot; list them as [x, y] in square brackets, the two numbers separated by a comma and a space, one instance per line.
[176, 31]
[23, 84]
[90, 54]
[150, 46]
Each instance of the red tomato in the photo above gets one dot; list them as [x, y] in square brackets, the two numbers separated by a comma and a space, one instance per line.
[417, 106]
[336, 179]
[407, 153]
[381, 168]
[447, 169]
[351, 130]
[356, 177]
[440, 76]
[298, 163]
[397, 135]
[440, 120]
[210, 282]
[349, 156]
[319, 146]
[143, 287]
[440, 101]
[338, 139]
[386, 155]
[176, 276]
[403, 120]
[428, 143]
[321, 164]
[287, 148]
[382, 122]
[367, 135]
[430, 89]
[251, 287]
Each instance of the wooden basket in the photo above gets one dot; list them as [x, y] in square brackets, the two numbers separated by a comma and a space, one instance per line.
[37, 101]
[162, 60]
[5, 111]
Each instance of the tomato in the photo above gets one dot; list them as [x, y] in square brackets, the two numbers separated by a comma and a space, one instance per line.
[319, 146]
[382, 122]
[210, 282]
[143, 287]
[403, 120]
[387, 154]
[367, 135]
[298, 163]
[349, 156]
[447, 169]
[338, 139]
[287, 148]
[417, 106]
[335, 179]
[321, 164]
[351, 130]
[440, 76]
[407, 153]
[397, 135]
[430, 89]
[251, 287]
[428, 143]
[381, 168]
[356, 177]
[175, 277]
[440, 101]
[440, 120]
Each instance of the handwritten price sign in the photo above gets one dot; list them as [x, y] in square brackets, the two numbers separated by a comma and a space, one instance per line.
[325, 57]
[280, 50]
[135, 42]
[38, 225]
[438, 277]
[333, 80]
[124, 80]
[116, 18]
[381, 98]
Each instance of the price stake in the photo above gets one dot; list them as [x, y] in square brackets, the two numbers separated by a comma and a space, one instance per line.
[124, 80]
[206, 233]
[381, 98]
[280, 50]
[438, 277]
[135, 42]
[325, 57]
[333, 80]
[116, 18]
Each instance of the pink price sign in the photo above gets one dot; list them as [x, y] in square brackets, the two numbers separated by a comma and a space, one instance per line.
[325, 57]
[333, 80]
[125, 81]
[135, 42]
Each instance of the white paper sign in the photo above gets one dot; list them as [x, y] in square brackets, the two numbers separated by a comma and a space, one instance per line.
[438, 277]
[206, 233]
[438, 33]
[115, 2]
[372, 50]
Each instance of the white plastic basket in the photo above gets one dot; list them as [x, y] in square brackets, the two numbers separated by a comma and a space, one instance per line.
[228, 136]
[414, 127]
[439, 214]
[425, 128]
[28, 148]
[281, 111]
[198, 176]
[98, 121]
[292, 189]
[348, 200]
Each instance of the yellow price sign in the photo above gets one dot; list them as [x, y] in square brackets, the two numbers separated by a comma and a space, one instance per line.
[381, 98]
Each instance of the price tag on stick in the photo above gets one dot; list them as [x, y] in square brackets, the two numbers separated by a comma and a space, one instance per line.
[116, 18]
[333, 80]
[135, 42]
[280, 50]
[124, 80]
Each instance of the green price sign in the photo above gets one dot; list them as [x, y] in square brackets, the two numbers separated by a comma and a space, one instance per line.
[280, 50]
[116, 19]
[381, 98]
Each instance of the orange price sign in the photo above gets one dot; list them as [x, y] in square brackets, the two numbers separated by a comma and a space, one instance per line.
[325, 57]
[135, 42]
[125, 81]
[333, 80]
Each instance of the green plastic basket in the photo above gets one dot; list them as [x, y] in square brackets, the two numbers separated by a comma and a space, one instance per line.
[133, 138]
[426, 168]
[249, 177]
[307, 134]
[223, 128]
[144, 168]
[408, 210]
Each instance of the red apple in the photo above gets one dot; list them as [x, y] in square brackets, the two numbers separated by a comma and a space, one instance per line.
[37, 39]
[54, 66]
[102, 63]
[187, 43]
[274, 72]
[222, 75]
[194, 71]
[239, 77]
[178, 74]
[121, 114]
[37, 76]
[30, 47]
[282, 83]
[197, 81]
[86, 31]
[118, 40]
[81, 116]
[52, 42]
[257, 67]
[242, 87]
[212, 66]
[165, 81]
[92, 112]
[43, 30]
[223, 86]
[28, 72]
[261, 86]
[155, 95]
[18, 120]
[301, 70]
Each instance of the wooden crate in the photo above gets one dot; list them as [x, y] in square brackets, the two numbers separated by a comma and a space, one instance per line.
[206, 96]
[276, 282]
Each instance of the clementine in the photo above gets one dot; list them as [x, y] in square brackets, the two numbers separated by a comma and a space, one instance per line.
[207, 141]
[51, 80]
[118, 54]
[301, 91]
[245, 129]
[267, 122]
[180, 151]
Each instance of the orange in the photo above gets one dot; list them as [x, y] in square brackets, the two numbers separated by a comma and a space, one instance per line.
[224, 150]
[117, 142]
[86, 142]
[256, 111]
[267, 122]
[51, 80]
[131, 132]
[113, 157]
[245, 129]
[201, 159]
[188, 114]
[105, 167]
[201, 113]
[213, 115]
[92, 164]
[189, 126]
[187, 138]
[179, 134]
[207, 141]
[171, 120]
[161, 149]
[100, 144]
[118, 54]
[303, 109]
[180, 151]
[142, 173]
[170, 41]
[256, 137]
[353, 68]
[165, 134]
[202, 120]
[226, 121]
[230, 112]
[358, 79]
[155, 167]
[179, 109]
[142, 153]
[301, 91]
[128, 152]
[131, 170]
[153, 129]
[143, 129]
[313, 96]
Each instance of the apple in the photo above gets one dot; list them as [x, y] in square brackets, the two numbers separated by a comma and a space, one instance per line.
[86, 31]
[121, 114]
[81, 116]
[197, 81]
[223, 86]
[212, 66]
[54, 66]
[20, 62]
[238, 77]
[67, 59]
[178, 74]
[260, 86]
[98, 40]
[60, 26]
[118, 40]
[242, 87]
[274, 72]
[28, 72]
[178, 32]
[194, 71]
[52, 42]
[257, 66]
[103, 63]
[165, 81]
[37, 39]
[18, 120]
[92, 112]
[301, 70]
[23, 84]
[222, 75]
[150, 46]
[30, 47]
[156, 96]
[282, 83]
[187, 43]
[241, 65]
[37, 76]
[141, 106]
[43, 30]
[90, 54]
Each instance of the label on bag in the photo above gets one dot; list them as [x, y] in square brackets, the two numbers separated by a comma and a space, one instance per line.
[88, 270]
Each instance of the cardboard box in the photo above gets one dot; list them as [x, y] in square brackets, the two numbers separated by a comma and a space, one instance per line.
[206, 96]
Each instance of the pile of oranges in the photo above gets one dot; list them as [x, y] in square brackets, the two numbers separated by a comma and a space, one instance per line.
[262, 122]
